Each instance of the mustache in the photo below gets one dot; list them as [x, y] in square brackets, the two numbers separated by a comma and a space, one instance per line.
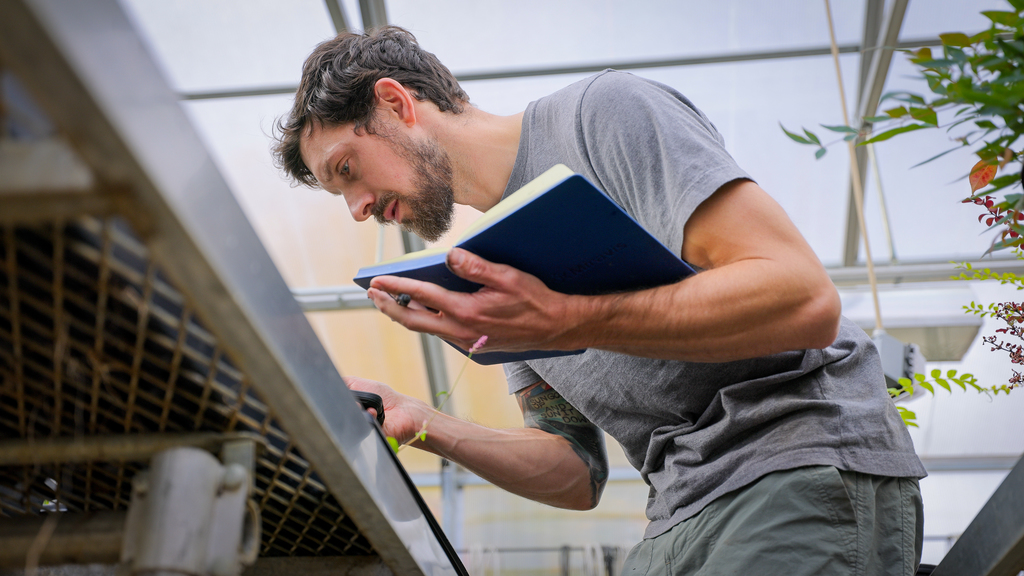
[381, 205]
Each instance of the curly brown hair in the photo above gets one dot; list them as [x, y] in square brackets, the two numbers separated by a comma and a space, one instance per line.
[337, 88]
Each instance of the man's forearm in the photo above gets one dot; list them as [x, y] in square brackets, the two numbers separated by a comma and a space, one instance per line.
[525, 461]
[749, 308]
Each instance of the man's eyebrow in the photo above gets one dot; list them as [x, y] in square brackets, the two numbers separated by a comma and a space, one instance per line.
[328, 173]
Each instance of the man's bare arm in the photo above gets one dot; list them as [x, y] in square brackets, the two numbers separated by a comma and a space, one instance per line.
[545, 409]
[565, 469]
[763, 291]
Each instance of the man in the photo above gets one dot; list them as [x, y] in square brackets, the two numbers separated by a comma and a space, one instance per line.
[758, 417]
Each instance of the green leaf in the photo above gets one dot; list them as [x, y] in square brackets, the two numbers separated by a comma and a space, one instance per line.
[907, 416]
[926, 115]
[928, 387]
[874, 119]
[902, 97]
[422, 435]
[958, 39]
[890, 133]
[812, 136]
[893, 392]
[944, 384]
[819, 153]
[984, 124]
[1000, 17]
[799, 139]
[936, 373]
[897, 112]
[919, 377]
[394, 444]
[841, 128]
[850, 137]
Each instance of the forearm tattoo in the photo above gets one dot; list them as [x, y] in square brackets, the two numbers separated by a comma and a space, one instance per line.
[545, 409]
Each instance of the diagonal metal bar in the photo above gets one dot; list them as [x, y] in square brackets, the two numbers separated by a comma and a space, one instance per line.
[92, 74]
[993, 544]
[470, 76]
[882, 38]
[374, 14]
[337, 16]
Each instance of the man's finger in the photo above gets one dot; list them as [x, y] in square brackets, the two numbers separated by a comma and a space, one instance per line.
[465, 264]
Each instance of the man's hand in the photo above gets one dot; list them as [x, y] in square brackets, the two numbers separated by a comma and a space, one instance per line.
[405, 415]
[515, 310]
[763, 291]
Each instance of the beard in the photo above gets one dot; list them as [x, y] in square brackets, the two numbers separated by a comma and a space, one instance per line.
[428, 212]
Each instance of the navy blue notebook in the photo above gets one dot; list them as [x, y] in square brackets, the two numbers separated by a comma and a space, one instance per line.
[560, 228]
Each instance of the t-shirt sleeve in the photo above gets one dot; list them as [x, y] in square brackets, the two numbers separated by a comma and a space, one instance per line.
[653, 151]
[519, 376]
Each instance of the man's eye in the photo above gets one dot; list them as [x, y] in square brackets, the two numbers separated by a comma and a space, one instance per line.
[344, 169]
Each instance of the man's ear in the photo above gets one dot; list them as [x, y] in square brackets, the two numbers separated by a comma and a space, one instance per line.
[395, 100]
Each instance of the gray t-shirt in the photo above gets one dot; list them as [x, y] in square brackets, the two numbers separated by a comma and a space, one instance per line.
[696, 431]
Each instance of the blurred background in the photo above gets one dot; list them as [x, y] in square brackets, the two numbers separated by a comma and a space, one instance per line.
[750, 66]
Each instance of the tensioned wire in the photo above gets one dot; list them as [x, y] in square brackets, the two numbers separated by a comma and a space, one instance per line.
[858, 189]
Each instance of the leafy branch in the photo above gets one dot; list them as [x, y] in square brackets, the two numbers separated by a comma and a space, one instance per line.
[978, 84]
[444, 395]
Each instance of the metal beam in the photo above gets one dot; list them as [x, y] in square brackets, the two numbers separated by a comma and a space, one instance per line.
[872, 81]
[919, 272]
[993, 544]
[374, 14]
[308, 566]
[86, 538]
[48, 164]
[354, 298]
[91, 73]
[337, 16]
[597, 67]
[128, 447]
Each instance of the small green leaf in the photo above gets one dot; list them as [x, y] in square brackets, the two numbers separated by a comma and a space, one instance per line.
[394, 444]
[841, 128]
[794, 137]
[422, 435]
[819, 153]
[1000, 17]
[850, 137]
[919, 377]
[441, 394]
[893, 392]
[928, 387]
[942, 382]
[897, 112]
[952, 373]
[812, 136]
[926, 115]
[936, 373]
[957, 39]
[874, 119]
[890, 133]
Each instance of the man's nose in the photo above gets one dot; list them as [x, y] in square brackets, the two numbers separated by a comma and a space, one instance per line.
[360, 204]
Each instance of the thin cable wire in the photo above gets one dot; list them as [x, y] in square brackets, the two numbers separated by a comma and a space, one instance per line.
[858, 188]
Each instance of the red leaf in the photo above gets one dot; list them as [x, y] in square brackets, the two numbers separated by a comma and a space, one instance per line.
[981, 175]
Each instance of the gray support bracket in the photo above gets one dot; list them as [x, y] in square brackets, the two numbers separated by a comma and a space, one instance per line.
[993, 544]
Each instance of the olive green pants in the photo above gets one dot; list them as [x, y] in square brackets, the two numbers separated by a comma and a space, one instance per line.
[815, 521]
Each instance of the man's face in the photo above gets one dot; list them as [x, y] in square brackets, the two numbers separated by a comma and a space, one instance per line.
[388, 176]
